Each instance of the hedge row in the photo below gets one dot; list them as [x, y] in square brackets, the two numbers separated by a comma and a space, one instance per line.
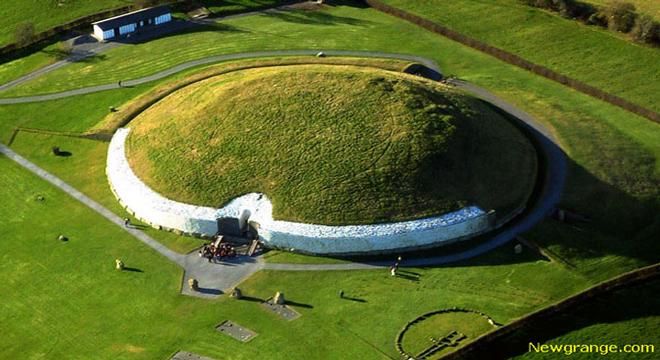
[617, 15]
[494, 342]
[516, 60]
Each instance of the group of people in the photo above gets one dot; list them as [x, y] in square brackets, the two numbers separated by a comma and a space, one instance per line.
[217, 250]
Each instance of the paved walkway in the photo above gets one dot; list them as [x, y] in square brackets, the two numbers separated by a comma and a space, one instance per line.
[215, 59]
[83, 47]
[215, 278]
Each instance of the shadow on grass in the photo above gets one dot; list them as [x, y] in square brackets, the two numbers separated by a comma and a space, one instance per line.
[178, 27]
[314, 18]
[354, 299]
[297, 304]
[64, 153]
[625, 305]
[405, 276]
[209, 291]
[622, 224]
[133, 269]
[251, 299]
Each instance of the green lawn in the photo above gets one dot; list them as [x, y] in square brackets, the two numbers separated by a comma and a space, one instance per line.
[623, 318]
[570, 115]
[67, 299]
[332, 145]
[595, 56]
[16, 68]
[64, 299]
[222, 7]
[47, 14]
[417, 338]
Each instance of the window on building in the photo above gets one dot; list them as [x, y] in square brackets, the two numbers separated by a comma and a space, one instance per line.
[163, 19]
[109, 34]
[129, 28]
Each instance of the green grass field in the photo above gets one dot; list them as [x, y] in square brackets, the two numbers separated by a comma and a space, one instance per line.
[593, 55]
[331, 145]
[221, 7]
[556, 106]
[64, 302]
[47, 14]
[13, 69]
[64, 299]
[417, 338]
[622, 318]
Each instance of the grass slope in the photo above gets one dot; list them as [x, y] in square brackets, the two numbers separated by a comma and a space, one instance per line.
[65, 300]
[595, 56]
[221, 7]
[331, 145]
[622, 318]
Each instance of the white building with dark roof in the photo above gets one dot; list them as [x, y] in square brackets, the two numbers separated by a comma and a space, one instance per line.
[133, 22]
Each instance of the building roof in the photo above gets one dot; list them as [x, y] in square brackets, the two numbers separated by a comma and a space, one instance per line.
[132, 17]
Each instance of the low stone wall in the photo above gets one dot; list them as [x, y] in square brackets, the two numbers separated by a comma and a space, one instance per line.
[163, 213]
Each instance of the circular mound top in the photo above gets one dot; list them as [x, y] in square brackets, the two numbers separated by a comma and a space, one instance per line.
[331, 145]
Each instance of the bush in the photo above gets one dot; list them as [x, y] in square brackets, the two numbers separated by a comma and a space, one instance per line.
[620, 16]
[597, 18]
[646, 30]
[24, 34]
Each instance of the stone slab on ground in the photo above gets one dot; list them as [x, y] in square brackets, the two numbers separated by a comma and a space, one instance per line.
[281, 310]
[184, 355]
[236, 331]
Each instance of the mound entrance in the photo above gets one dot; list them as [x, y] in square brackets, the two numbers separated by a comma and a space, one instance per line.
[332, 145]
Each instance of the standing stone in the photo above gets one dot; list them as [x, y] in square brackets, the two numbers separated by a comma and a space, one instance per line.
[279, 298]
[193, 283]
[236, 293]
[518, 249]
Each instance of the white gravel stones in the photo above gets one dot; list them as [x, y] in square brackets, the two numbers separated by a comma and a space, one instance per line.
[157, 210]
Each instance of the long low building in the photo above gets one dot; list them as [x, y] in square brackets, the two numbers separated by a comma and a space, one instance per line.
[124, 25]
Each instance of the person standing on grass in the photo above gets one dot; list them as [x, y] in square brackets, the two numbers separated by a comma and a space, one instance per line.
[127, 222]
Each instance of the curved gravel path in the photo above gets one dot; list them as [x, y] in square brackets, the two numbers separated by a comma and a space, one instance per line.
[219, 278]
[211, 60]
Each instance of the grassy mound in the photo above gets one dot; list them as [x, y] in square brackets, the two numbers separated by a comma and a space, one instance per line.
[332, 145]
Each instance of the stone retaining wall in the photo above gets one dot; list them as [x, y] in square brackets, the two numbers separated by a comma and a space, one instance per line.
[163, 213]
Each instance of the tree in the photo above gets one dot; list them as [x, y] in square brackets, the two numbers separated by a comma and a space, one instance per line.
[620, 16]
[646, 30]
[24, 34]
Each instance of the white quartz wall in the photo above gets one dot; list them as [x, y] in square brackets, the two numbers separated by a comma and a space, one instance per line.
[161, 212]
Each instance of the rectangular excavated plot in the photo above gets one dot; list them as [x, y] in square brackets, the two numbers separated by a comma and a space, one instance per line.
[281, 310]
[184, 355]
[236, 331]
